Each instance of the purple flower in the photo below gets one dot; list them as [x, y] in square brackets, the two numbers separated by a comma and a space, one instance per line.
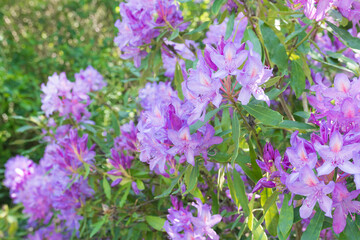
[343, 206]
[251, 77]
[337, 155]
[17, 171]
[127, 141]
[314, 9]
[49, 232]
[183, 143]
[315, 191]
[227, 58]
[181, 224]
[204, 221]
[90, 79]
[216, 31]
[120, 163]
[200, 89]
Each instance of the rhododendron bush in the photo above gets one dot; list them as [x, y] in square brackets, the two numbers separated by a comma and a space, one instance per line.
[240, 120]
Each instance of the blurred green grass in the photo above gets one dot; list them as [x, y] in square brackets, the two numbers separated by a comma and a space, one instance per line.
[38, 38]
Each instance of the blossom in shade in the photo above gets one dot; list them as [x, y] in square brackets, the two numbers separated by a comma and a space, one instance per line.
[315, 191]
[344, 205]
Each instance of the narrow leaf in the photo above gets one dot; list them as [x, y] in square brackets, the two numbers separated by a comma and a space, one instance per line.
[297, 77]
[178, 79]
[286, 218]
[264, 114]
[156, 222]
[235, 136]
[312, 231]
[230, 26]
[107, 188]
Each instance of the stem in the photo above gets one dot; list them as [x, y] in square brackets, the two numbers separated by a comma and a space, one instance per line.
[251, 129]
[303, 40]
[286, 108]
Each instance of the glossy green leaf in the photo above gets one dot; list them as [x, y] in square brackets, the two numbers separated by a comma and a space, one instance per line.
[272, 214]
[312, 231]
[297, 77]
[351, 230]
[97, 226]
[174, 34]
[178, 79]
[277, 51]
[207, 118]
[294, 125]
[285, 219]
[156, 222]
[249, 35]
[240, 192]
[215, 8]
[348, 39]
[230, 26]
[107, 188]
[172, 185]
[264, 114]
[235, 136]
[191, 177]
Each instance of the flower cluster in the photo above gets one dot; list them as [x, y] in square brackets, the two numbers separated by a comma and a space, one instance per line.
[53, 187]
[338, 103]
[182, 224]
[163, 130]
[318, 9]
[138, 23]
[70, 99]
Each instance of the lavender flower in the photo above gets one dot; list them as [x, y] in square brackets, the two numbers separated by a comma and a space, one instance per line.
[17, 171]
[315, 191]
[343, 206]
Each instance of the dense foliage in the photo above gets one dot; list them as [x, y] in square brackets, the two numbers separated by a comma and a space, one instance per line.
[218, 119]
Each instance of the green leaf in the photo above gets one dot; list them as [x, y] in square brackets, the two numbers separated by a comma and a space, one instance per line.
[276, 50]
[174, 34]
[230, 26]
[297, 77]
[201, 28]
[271, 82]
[231, 187]
[172, 185]
[97, 226]
[351, 230]
[312, 231]
[124, 197]
[215, 8]
[107, 188]
[296, 33]
[235, 136]
[294, 125]
[251, 36]
[285, 219]
[264, 114]
[140, 184]
[240, 192]
[272, 214]
[191, 177]
[207, 118]
[115, 124]
[348, 39]
[178, 79]
[249, 172]
[156, 222]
